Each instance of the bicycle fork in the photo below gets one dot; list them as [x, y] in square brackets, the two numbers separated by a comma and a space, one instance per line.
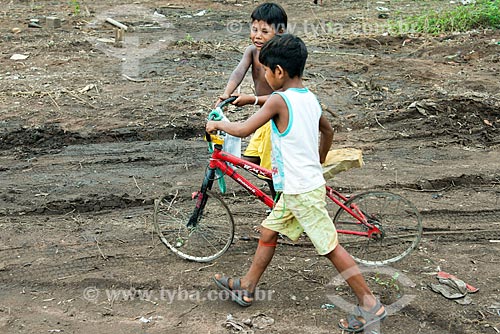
[201, 198]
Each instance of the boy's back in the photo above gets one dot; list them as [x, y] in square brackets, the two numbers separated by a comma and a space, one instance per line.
[295, 150]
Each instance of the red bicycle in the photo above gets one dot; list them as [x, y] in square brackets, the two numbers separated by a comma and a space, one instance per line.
[376, 228]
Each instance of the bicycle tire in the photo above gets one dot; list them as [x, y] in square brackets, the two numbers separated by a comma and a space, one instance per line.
[397, 218]
[208, 240]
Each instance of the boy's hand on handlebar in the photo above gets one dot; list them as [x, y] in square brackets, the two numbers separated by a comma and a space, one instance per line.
[220, 99]
[211, 127]
[243, 99]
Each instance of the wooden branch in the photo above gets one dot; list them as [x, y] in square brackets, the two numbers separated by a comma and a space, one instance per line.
[132, 79]
[140, 190]
[99, 248]
[116, 24]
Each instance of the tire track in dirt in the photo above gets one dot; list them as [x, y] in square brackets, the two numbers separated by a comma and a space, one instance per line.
[35, 274]
[57, 262]
[126, 174]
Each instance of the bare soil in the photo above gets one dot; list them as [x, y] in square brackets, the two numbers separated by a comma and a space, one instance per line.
[92, 133]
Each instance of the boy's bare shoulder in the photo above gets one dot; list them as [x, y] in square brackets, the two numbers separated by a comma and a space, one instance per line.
[276, 100]
[251, 53]
[251, 49]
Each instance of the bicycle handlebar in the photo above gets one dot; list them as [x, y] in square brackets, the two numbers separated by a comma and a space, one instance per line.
[226, 102]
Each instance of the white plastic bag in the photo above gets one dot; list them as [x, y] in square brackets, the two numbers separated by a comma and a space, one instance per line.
[232, 144]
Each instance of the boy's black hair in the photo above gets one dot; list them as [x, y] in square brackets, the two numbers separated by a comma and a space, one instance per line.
[286, 50]
[271, 13]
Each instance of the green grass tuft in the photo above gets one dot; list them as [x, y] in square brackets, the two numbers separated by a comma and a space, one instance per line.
[480, 15]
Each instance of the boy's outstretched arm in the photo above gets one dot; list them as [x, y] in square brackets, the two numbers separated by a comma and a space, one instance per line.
[274, 106]
[246, 99]
[326, 138]
[237, 75]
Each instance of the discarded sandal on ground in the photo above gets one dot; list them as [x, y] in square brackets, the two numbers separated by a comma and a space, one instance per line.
[236, 292]
[362, 319]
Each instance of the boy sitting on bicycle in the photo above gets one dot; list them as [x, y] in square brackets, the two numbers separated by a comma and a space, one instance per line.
[296, 123]
[268, 19]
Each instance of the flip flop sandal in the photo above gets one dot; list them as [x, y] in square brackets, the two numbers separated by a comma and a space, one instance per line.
[446, 291]
[237, 293]
[355, 325]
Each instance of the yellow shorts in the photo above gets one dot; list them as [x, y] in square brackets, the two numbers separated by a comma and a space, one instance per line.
[294, 214]
[260, 145]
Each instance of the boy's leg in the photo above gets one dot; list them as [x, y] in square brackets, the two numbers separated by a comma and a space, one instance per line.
[263, 256]
[264, 145]
[253, 154]
[349, 270]
[264, 149]
[252, 151]
[252, 159]
[314, 218]
[270, 184]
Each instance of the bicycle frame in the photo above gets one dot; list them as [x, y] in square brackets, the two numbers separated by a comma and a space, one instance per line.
[353, 210]
[222, 160]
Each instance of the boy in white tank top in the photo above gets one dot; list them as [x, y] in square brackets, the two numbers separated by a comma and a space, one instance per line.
[297, 154]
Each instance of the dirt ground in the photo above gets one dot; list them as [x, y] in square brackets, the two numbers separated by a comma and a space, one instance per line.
[91, 133]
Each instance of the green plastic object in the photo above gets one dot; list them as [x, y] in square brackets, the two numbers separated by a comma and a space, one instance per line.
[327, 306]
[216, 114]
[221, 181]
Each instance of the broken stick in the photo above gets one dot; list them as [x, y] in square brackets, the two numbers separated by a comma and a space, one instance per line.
[116, 24]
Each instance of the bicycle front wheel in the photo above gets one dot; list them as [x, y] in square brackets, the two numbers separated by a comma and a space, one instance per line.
[396, 217]
[198, 235]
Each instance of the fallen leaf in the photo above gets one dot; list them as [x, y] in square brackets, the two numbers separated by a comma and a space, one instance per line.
[487, 122]
[18, 56]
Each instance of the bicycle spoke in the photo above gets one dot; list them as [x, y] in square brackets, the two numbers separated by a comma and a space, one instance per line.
[212, 244]
[209, 238]
[398, 220]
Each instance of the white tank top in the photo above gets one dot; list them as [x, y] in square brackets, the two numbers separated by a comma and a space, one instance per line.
[295, 152]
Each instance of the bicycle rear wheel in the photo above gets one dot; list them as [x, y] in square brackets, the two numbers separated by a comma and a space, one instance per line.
[397, 218]
[212, 231]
